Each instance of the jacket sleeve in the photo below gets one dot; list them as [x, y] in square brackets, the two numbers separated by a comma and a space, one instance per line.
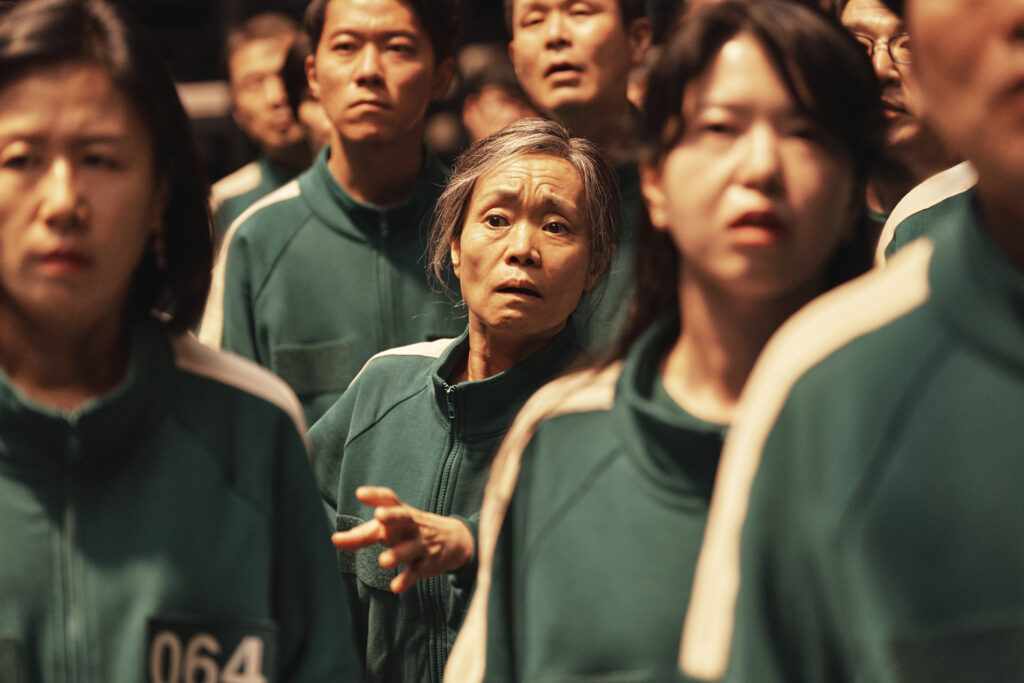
[328, 438]
[316, 634]
[786, 628]
[238, 310]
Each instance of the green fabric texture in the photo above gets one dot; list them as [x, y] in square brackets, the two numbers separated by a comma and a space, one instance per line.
[393, 428]
[602, 313]
[924, 222]
[594, 562]
[272, 176]
[316, 284]
[882, 541]
[175, 496]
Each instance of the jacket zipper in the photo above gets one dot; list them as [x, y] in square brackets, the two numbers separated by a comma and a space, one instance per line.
[387, 326]
[434, 585]
[72, 616]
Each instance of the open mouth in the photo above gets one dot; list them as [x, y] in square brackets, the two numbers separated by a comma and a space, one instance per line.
[520, 290]
[561, 68]
[758, 226]
[376, 104]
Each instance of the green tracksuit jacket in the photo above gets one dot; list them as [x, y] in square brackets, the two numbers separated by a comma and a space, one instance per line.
[591, 573]
[401, 424]
[884, 425]
[233, 194]
[166, 531]
[311, 283]
[923, 208]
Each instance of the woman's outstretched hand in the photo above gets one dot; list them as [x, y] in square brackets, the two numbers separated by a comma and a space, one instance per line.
[428, 544]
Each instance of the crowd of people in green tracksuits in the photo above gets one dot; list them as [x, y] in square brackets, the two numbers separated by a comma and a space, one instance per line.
[723, 381]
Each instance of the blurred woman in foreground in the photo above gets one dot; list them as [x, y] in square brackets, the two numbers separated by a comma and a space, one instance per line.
[157, 505]
[761, 117]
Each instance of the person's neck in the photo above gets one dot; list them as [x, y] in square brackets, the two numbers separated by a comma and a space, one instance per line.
[62, 368]
[611, 125]
[892, 178]
[295, 158]
[492, 352]
[905, 165]
[888, 185]
[720, 338]
[377, 173]
[1003, 209]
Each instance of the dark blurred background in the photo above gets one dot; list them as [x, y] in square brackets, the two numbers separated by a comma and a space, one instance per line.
[190, 34]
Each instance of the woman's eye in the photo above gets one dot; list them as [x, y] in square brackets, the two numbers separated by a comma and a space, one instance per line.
[808, 133]
[556, 227]
[100, 161]
[17, 162]
[496, 221]
[531, 19]
[718, 128]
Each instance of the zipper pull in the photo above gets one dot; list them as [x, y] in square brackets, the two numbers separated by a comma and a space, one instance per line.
[449, 391]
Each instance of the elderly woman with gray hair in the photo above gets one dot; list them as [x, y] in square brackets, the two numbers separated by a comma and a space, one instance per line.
[528, 224]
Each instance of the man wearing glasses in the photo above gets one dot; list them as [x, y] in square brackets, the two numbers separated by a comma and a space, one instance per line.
[912, 152]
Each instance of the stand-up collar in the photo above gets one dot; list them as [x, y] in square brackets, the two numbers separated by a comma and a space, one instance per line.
[975, 286]
[397, 223]
[38, 441]
[486, 407]
[668, 444]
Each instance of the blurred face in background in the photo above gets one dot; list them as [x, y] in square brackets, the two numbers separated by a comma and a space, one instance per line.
[259, 101]
[883, 35]
[969, 61]
[574, 54]
[374, 70]
[492, 108]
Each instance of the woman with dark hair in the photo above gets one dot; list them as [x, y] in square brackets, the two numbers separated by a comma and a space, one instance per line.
[155, 495]
[527, 223]
[760, 116]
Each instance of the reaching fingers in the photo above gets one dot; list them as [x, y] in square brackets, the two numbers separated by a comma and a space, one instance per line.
[376, 496]
[366, 534]
[404, 581]
[406, 552]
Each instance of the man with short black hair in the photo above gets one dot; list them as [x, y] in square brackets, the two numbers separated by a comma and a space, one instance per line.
[573, 60]
[327, 271]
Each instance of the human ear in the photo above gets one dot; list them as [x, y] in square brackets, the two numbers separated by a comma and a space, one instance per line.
[641, 34]
[456, 254]
[654, 195]
[311, 79]
[443, 73]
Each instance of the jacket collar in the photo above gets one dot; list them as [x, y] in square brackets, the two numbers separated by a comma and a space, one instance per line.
[486, 407]
[668, 444]
[401, 222]
[977, 290]
[40, 441]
